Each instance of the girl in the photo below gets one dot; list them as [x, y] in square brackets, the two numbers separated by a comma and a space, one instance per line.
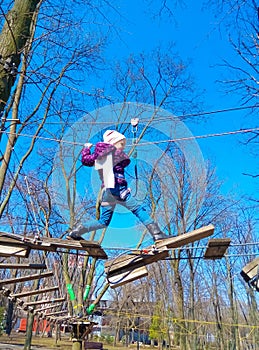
[110, 161]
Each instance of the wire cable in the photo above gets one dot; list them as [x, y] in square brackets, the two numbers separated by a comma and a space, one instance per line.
[183, 116]
[226, 133]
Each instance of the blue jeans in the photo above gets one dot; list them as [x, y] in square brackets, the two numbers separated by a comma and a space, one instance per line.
[110, 198]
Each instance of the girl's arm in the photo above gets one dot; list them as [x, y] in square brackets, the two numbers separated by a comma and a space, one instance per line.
[88, 159]
[101, 150]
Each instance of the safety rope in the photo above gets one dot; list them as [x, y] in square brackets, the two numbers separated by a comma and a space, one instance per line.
[134, 124]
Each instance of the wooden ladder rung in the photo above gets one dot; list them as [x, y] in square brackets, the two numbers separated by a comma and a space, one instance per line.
[26, 278]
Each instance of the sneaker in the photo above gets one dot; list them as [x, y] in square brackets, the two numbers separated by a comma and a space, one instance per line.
[76, 233]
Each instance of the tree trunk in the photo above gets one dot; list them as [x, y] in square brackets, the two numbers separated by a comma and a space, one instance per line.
[192, 341]
[9, 317]
[15, 32]
[253, 307]
[234, 342]
[218, 316]
[30, 320]
[180, 338]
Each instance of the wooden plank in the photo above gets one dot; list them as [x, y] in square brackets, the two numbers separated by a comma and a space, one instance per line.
[17, 245]
[186, 238]
[7, 250]
[26, 278]
[56, 313]
[129, 262]
[34, 292]
[23, 266]
[217, 248]
[93, 248]
[47, 308]
[95, 251]
[120, 279]
[64, 318]
[250, 270]
[51, 244]
[45, 301]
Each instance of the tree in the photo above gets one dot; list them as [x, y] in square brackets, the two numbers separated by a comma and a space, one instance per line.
[16, 34]
[44, 106]
[241, 74]
[39, 55]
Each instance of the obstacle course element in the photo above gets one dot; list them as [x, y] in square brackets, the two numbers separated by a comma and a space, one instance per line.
[13, 297]
[132, 266]
[23, 266]
[17, 298]
[250, 274]
[216, 248]
[18, 245]
[26, 278]
[187, 238]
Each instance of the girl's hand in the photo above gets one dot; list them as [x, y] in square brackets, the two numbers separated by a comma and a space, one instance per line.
[88, 145]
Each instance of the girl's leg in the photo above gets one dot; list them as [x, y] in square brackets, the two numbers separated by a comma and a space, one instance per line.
[105, 219]
[137, 209]
[140, 211]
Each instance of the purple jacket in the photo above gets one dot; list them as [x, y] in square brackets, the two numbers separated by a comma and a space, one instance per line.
[120, 159]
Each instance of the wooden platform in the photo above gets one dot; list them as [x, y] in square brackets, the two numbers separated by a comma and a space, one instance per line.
[18, 245]
[186, 238]
[216, 248]
[131, 267]
[118, 279]
[127, 268]
[250, 273]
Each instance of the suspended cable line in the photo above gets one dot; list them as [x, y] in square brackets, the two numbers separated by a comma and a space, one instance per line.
[166, 118]
[226, 133]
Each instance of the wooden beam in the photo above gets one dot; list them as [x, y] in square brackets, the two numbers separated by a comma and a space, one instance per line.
[55, 313]
[116, 280]
[26, 278]
[41, 311]
[45, 301]
[34, 292]
[250, 270]
[93, 248]
[128, 262]
[186, 238]
[50, 244]
[20, 251]
[23, 266]
[57, 318]
[217, 248]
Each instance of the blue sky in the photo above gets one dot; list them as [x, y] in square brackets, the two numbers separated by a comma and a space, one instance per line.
[200, 38]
